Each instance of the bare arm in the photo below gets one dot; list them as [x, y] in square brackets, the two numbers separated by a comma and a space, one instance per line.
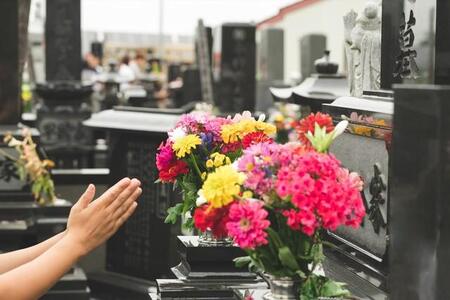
[89, 225]
[11, 260]
[33, 279]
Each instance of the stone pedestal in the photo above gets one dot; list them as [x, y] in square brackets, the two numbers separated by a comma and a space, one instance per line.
[208, 262]
[59, 121]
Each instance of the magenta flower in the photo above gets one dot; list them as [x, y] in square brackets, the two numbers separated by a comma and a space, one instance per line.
[248, 222]
[165, 156]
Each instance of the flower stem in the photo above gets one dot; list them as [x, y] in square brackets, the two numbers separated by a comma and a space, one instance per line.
[194, 161]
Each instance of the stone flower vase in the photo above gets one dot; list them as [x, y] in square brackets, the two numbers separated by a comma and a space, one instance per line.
[282, 288]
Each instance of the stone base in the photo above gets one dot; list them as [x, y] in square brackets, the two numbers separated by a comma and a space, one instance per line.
[206, 272]
[199, 261]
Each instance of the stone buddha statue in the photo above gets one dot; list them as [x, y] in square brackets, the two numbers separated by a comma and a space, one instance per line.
[363, 49]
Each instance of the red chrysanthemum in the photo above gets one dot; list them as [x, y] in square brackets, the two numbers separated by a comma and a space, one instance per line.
[308, 125]
[214, 219]
[227, 148]
[255, 138]
[171, 173]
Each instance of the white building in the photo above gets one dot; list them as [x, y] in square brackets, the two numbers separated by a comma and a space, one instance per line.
[312, 17]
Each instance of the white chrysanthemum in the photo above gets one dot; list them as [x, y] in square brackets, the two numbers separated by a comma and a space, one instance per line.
[176, 134]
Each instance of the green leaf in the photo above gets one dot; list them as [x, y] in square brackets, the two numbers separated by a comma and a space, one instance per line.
[317, 253]
[301, 274]
[334, 289]
[242, 261]
[273, 235]
[173, 213]
[287, 259]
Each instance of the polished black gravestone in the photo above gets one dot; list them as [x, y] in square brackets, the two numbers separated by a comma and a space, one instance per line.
[63, 40]
[420, 208]
[237, 68]
[360, 256]
[145, 246]
[415, 44]
[442, 58]
[13, 32]
[391, 21]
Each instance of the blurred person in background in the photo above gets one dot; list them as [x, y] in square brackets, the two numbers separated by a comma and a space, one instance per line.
[138, 65]
[125, 71]
[91, 67]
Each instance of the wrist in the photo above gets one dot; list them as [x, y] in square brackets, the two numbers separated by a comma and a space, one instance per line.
[74, 245]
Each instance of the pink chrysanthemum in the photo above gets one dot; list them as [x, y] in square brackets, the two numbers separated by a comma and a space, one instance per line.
[247, 225]
[165, 156]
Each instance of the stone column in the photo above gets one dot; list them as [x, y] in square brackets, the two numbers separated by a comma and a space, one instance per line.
[390, 47]
[63, 40]
[13, 32]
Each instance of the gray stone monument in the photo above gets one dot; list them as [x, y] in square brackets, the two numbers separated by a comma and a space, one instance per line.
[63, 40]
[311, 49]
[271, 54]
[13, 30]
[270, 64]
[363, 49]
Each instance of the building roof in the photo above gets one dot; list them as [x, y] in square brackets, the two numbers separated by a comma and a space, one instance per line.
[285, 11]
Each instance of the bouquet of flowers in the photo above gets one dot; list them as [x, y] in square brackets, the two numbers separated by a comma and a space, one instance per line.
[279, 199]
[199, 145]
[30, 168]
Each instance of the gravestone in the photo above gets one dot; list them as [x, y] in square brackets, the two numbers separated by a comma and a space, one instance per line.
[63, 40]
[415, 47]
[362, 253]
[442, 56]
[420, 226]
[311, 49]
[236, 67]
[270, 56]
[13, 30]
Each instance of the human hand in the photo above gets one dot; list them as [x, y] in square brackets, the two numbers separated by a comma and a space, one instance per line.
[92, 223]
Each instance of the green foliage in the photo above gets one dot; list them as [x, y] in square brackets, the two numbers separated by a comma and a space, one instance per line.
[189, 185]
[173, 213]
[320, 286]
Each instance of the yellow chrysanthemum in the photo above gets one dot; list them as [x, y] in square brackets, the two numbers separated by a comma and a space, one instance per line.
[267, 128]
[185, 145]
[232, 133]
[222, 186]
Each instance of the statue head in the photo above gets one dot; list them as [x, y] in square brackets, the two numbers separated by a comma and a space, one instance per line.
[371, 10]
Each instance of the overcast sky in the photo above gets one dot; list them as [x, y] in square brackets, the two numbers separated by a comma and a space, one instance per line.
[180, 16]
